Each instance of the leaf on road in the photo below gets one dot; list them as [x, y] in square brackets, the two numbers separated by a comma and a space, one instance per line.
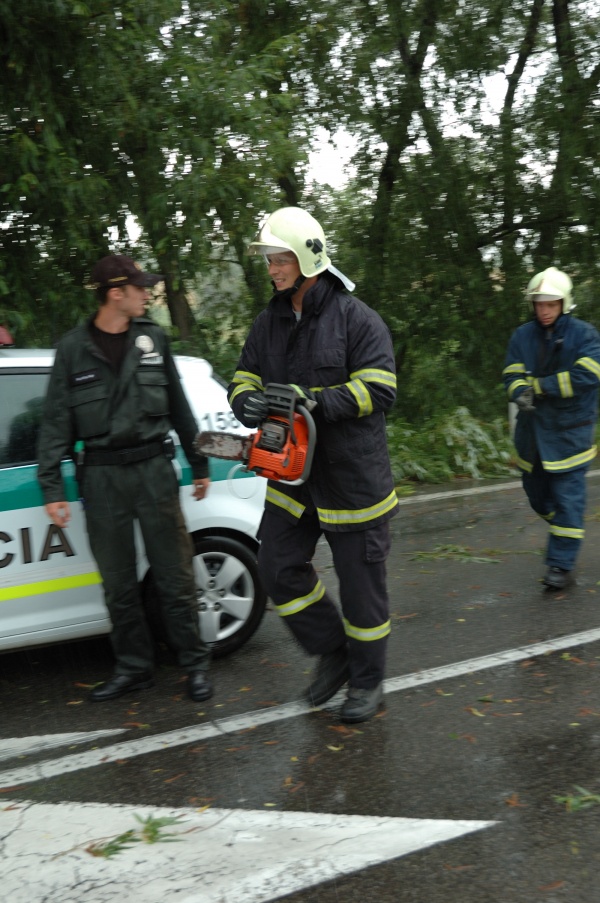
[335, 748]
[175, 777]
[75, 702]
[514, 802]
[139, 724]
[474, 711]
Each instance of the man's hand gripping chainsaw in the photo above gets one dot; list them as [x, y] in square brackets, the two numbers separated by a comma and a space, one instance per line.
[283, 446]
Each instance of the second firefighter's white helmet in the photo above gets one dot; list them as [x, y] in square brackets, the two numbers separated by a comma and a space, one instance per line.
[552, 285]
[293, 229]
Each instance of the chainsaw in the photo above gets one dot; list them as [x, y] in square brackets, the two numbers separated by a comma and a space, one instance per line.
[283, 446]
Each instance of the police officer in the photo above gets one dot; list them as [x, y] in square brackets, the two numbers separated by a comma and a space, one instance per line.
[552, 373]
[114, 387]
[337, 352]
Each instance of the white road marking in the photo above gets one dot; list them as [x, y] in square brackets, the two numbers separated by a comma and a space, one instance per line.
[170, 739]
[27, 746]
[234, 855]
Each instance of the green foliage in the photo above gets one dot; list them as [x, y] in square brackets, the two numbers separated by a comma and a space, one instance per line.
[582, 799]
[151, 831]
[449, 446]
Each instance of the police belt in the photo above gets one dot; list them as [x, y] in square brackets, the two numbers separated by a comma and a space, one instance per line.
[125, 455]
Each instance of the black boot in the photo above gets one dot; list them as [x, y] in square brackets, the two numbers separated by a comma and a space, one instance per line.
[330, 674]
[557, 578]
[121, 684]
[361, 704]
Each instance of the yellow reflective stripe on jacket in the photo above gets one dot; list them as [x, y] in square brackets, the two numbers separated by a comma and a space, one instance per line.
[245, 382]
[284, 501]
[515, 385]
[373, 375]
[362, 396]
[570, 532]
[548, 517]
[302, 602]
[537, 386]
[514, 368]
[527, 466]
[367, 634]
[571, 463]
[564, 384]
[359, 515]
[49, 586]
[590, 364]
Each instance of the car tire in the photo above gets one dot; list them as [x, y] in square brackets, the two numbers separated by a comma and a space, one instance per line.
[231, 600]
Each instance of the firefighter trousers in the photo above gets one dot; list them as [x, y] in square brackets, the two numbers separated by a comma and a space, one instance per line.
[560, 499]
[306, 606]
[115, 496]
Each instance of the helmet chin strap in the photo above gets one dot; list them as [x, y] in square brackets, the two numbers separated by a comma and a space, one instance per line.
[291, 291]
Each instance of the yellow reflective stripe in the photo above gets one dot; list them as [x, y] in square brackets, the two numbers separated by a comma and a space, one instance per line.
[571, 532]
[537, 387]
[564, 384]
[527, 466]
[284, 501]
[245, 382]
[590, 364]
[570, 463]
[548, 517]
[373, 375]
[49, 586]
[515, 385]
[302, 602]
[514, 368]
[359, 515]
[367, 634]
[362, 397]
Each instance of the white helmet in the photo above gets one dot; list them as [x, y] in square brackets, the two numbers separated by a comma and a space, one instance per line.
[293, 229]
[552, 285]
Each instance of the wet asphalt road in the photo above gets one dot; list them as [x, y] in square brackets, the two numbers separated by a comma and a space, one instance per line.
[496, 744]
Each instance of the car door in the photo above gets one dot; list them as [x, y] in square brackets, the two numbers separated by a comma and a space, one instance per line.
[50, 588]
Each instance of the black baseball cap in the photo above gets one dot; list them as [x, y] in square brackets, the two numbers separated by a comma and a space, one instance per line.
[117, 270]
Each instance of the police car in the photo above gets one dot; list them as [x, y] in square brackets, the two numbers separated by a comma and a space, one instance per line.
[50, 589]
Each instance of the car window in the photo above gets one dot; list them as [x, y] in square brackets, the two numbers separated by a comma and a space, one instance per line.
[22, 398]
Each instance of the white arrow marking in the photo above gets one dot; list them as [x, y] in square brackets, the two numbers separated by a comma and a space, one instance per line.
[246, 856]
[170, 739]
[27, 746]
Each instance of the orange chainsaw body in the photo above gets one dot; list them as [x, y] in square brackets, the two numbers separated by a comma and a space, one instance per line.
[278, 452]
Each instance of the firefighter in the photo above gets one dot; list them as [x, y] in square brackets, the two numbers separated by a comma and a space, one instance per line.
[114, 387]
[552, 372]
[337, 353]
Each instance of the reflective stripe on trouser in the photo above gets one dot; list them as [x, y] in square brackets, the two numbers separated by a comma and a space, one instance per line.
[116, 495]
[307, 608]
[560, 499]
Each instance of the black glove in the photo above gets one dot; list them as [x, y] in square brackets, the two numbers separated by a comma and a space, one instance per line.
[525, 401]
[307, 397]
[255, 409]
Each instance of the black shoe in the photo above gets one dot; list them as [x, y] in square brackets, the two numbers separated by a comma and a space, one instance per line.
[330, 674]
[361, 704]
[121, 684]
[199, 686]
[557, 578]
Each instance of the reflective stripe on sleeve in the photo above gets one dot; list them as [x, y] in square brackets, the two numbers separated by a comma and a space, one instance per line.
[570, 463]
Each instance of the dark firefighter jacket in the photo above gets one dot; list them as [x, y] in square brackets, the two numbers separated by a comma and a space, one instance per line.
[342, 350]
[563, 366]
[87, 400]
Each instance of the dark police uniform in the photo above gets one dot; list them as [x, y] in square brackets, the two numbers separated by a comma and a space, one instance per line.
[342, 350]
[123, 417]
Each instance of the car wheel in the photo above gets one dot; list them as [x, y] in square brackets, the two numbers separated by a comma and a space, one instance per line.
[231, 600]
